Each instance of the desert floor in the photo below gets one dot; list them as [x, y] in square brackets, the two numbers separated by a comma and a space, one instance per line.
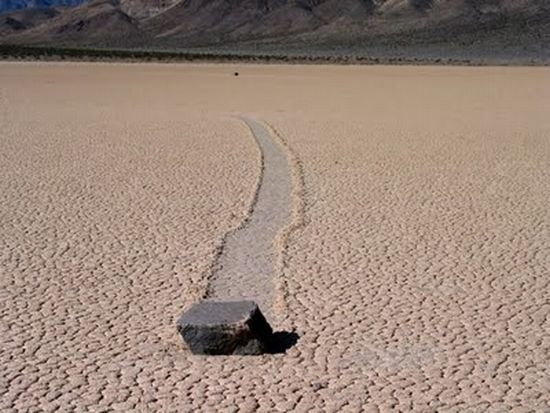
[408, 247]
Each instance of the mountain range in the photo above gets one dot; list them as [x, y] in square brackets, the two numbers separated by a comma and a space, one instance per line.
[10, 5]
[497, 29]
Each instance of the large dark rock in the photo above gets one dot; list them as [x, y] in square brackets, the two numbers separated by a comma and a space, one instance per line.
[223, 328]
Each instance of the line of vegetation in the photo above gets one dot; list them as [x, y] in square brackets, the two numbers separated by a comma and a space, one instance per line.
[45, 53]
[60, 53]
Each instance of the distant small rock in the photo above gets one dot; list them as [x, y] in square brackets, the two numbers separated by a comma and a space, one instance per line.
[224, 328]
[236, 73]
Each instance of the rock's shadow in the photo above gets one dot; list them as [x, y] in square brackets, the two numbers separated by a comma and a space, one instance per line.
[281, 341]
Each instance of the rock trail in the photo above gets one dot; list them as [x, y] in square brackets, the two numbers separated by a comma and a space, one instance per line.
[246, 267]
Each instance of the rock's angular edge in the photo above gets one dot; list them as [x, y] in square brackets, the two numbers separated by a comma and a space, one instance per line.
[225, 328]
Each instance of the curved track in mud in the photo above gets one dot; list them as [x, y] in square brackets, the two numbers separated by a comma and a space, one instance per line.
[246, 267]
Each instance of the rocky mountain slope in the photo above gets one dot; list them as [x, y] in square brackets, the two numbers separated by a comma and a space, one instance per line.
[10, 5]
[298, 26]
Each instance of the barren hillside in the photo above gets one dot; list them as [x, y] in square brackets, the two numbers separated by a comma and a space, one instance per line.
[507, 29]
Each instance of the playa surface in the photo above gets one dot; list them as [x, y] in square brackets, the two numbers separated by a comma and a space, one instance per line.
[412, 258]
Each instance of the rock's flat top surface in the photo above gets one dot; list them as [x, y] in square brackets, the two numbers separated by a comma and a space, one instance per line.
[226, 328]
[215, 313]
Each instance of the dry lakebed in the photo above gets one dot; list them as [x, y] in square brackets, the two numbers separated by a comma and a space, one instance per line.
[395, 219]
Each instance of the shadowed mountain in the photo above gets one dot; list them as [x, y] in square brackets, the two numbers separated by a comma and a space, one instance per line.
[203, 21]
[20, 20]
[92, 23]
[10, 5]
[302, 26]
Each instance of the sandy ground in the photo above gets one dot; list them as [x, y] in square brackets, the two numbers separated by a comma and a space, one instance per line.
[414, 266]
[247, 266]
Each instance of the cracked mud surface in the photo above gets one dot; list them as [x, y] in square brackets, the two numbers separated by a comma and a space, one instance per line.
[415, 267]
[246, 268]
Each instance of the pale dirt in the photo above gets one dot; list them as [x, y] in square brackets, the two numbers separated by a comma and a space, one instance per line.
[246, 268]
[415, 265]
